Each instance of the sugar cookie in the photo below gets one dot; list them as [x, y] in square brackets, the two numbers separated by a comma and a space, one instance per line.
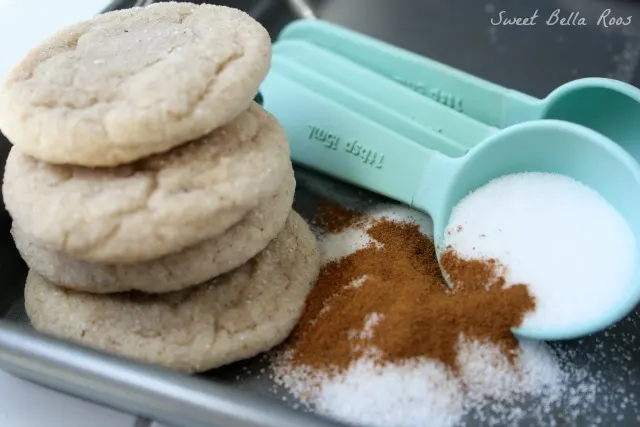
[159, 205]
[233, 317]
[173, 272]
[130, 83]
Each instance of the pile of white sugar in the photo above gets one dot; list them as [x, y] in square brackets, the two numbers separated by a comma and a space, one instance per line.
[575, 252]
[423, 392]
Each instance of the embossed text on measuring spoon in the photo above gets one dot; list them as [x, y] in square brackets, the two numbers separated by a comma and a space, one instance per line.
[443, 97]
[352, 147]
[328, 139]
[368, 155]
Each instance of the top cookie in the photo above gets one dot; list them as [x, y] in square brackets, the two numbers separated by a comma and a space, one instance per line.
[130, 83]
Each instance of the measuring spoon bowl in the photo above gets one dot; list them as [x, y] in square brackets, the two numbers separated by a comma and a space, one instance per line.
[610, 107]
[542, 146]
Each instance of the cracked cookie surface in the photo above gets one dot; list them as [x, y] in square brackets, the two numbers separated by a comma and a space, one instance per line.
[159, 205]
[131, 83]
[233, 317]
[174, 272]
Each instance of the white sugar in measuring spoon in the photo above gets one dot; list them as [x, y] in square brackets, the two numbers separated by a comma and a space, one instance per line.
[575, 252]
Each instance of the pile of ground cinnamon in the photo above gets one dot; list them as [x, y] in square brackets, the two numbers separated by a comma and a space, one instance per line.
[397, 288]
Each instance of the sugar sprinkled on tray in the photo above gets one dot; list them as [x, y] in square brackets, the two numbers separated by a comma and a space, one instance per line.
[421, 390]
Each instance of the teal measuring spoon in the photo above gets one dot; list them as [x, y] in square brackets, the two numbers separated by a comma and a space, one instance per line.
[340, 139]
[608, 106]
[424, 111]
[374, 110]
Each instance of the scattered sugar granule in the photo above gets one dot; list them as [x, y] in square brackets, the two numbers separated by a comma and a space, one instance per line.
[357, 282]
[554, 234]
[369, 324]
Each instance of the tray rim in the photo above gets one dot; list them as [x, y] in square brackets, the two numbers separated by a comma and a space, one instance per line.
[140, 389]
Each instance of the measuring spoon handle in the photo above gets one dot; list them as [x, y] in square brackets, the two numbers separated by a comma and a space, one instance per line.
[424, 111]
[479, 99]
[328, 136]
[376, 110]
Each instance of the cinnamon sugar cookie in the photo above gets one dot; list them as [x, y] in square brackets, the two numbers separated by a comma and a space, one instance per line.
[130, 83]
[159, 205]
[233, 317]
[175, 271]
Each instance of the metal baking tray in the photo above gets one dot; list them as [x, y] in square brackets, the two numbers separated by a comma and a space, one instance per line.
[241, 395]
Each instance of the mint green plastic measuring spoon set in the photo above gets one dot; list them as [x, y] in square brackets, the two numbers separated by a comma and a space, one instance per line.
[608, 106]
[346, 118]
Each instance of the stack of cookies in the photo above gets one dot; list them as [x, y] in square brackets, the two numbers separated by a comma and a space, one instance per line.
[151, 197]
